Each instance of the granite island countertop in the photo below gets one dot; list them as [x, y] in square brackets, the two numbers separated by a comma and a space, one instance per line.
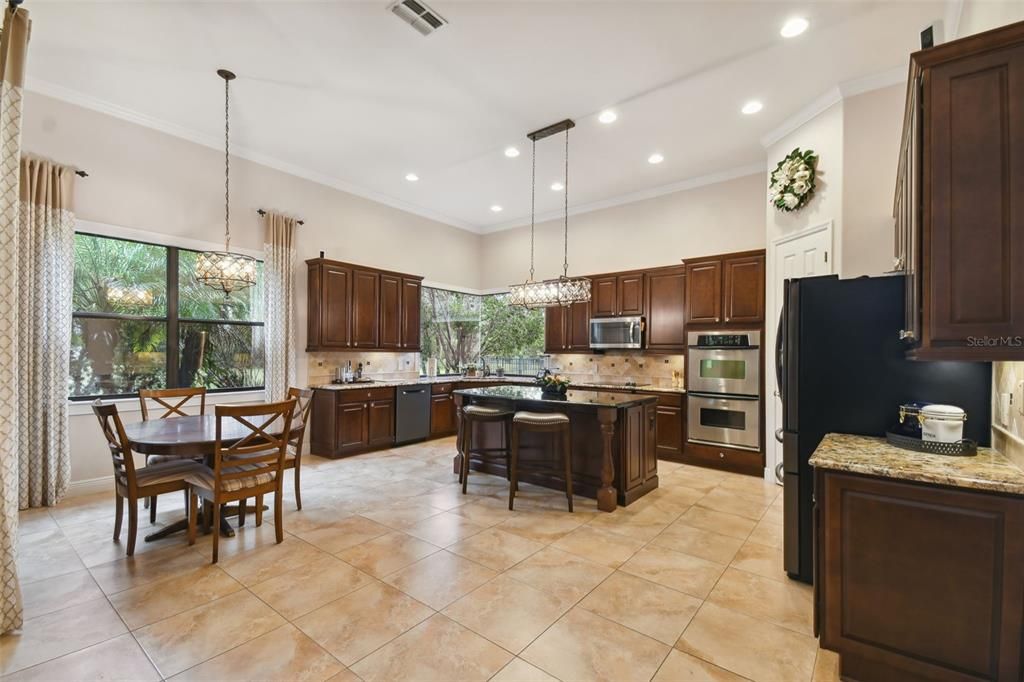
[527, 395]
[988, 470]
[524, 381]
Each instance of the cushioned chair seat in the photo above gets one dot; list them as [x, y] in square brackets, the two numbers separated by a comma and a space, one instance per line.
[540, 418]
[172, 470]
[482, 411]
[204, 478]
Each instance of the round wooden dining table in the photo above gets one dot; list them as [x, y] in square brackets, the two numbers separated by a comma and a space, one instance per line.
[189, 437]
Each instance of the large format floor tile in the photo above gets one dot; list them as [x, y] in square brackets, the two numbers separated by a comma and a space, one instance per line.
[648, 608]
[59, 633]
[440, 579]
[120, 658]
[390, 572]
[281, 654]
[437, 649]
[180, 642]
[585, 646]
[747, 646]
[507, 612]
[360, 622]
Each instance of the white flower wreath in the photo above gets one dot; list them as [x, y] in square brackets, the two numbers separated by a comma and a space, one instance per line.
[792, 181]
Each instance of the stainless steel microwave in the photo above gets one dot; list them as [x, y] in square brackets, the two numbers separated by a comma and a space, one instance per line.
[617, 332]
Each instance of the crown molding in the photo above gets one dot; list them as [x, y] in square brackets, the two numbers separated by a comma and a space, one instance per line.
[833, 96]
[80, 99]
[662, 190]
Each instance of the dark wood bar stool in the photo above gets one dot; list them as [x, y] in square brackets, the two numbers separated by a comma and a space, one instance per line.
[543, 422]
[475, 414]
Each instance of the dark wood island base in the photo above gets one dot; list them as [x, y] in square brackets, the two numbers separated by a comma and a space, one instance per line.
[614, 454]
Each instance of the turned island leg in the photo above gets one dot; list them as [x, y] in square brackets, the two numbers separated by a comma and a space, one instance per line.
[457, 462]
[606, 496]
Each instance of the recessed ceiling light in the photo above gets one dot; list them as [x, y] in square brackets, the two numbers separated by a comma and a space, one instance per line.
[557, 186]
[794, 27]
[511, 152]
[607, 116]
[496, 208]
[412, 177]
[655, 158]
[752, 107]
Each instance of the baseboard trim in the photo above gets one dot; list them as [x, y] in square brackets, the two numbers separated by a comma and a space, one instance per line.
[90, 486]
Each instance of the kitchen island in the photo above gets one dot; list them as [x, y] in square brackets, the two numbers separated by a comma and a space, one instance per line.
[614, 458]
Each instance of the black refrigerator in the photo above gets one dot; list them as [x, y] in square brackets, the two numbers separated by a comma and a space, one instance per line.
[841, 368]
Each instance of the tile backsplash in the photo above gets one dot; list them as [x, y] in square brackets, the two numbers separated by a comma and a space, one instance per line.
[642, 368]
[382, 366]
[1008, 436]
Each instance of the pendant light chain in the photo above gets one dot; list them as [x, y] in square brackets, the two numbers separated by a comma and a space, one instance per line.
[227, 170]
[565, 262]
[533, 203]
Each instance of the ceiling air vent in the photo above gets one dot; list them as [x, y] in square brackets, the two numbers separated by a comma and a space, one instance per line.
[418, 15]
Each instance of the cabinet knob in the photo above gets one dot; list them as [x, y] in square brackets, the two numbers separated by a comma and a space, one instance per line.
[906, 335]
[721, 455]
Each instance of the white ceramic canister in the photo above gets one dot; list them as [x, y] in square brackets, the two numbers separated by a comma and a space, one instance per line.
[942, 423]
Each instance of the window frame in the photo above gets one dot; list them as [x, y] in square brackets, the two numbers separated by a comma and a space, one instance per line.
[170, 318]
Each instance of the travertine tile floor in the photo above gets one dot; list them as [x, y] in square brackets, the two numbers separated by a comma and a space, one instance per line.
[390, 573]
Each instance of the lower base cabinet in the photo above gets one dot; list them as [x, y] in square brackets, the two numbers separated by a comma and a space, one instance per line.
[670, 425]
[918, 582]
[346, 422]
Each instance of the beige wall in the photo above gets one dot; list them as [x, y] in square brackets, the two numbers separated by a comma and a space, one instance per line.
[982, 15]
[872, 129]
[718, 218]
[145, 180]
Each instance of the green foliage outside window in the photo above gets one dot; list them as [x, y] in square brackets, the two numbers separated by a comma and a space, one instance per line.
[122, 300]
[464, 329]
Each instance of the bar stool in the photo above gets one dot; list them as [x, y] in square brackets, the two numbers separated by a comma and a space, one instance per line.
[478, 414]
[542, 422]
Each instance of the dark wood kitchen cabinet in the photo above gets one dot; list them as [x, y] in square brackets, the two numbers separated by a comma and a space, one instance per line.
[617, 294]
[743, 298]
[353, 420]
[959, 204]
[704, 292]
[670, 425]
[666, 309]
[726, 290]
[567, 328]
[442, 410]
[354, 307]
[918, 582]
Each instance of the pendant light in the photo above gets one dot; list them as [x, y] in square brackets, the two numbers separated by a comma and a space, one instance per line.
[564, 290]
[224, 270]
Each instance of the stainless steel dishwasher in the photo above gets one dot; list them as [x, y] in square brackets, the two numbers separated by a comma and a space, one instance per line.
[412, 413]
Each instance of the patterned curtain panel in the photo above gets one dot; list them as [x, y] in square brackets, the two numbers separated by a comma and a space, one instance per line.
[13, 49]
[278, 330]
[46, 238]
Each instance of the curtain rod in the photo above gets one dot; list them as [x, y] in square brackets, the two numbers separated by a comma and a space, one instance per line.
[262, 212]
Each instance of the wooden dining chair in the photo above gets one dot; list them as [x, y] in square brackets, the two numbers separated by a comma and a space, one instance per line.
[251, 466]
[164, 399]
[131, 483]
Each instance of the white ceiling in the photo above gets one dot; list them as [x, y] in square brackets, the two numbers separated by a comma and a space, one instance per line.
[347, 94]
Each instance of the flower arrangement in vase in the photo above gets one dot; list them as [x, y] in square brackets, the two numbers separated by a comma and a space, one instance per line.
[553, 384]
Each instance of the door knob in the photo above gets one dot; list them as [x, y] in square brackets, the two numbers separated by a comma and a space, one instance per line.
[778, 435]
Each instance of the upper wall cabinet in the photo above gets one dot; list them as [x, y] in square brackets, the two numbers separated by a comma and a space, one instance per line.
[726, 290]
[666, 309]
[351, 307]
[567, 328]
[615, 295]
[960, 199]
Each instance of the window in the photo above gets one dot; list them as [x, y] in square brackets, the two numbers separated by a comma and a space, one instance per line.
[141, 321]
[463, 330]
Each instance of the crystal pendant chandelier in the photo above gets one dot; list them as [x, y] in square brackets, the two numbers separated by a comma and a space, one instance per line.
[224, 270]
[564, 290]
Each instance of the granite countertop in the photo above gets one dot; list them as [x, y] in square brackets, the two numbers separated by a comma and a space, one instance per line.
[988, 470]
[525, 381]
[533, 394]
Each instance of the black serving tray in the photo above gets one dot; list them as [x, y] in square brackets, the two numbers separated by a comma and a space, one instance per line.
[963, 448]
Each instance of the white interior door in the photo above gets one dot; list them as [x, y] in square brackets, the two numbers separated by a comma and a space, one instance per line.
[804, 254]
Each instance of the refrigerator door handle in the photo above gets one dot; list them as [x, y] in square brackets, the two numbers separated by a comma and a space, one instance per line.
[780, 351]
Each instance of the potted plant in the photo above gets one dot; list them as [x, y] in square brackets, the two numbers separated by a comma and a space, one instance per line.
[553, 384]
